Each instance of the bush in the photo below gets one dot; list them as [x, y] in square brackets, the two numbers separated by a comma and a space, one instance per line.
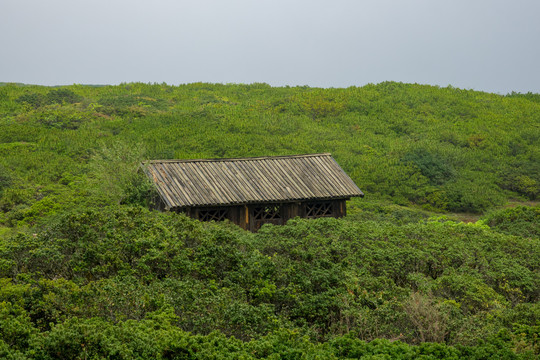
[34, 99]
[431, 165]
[5, 179]
[471, 196]
[61, 117]
[520, 220]
[61, 96]
[116, 175]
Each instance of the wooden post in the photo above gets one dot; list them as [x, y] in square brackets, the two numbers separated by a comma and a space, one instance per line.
[246, 218]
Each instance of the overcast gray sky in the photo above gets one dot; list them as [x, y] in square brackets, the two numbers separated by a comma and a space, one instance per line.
[488, 45]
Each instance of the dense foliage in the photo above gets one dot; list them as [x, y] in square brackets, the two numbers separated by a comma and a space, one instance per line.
[103, 280]
[87, 271]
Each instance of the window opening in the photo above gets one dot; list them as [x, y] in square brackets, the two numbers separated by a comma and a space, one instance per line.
[213, 215]
[268, 212]
[315, 210]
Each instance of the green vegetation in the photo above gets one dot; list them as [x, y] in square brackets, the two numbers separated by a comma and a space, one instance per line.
[88, 272]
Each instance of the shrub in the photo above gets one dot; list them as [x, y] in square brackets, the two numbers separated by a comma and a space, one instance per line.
[116, 175]
[5, 178]
[34, 99]
[62, 95]
[60, 117]
[429, 321]
[520, 220]
[474, 196]
[431, 165]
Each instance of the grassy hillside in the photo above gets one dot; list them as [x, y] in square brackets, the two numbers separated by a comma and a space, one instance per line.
[87, 271]
[445, 149]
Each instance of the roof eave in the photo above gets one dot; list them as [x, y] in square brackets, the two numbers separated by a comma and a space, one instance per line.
[341, 197]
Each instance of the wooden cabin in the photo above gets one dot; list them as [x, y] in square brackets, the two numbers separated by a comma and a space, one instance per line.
[253, 191]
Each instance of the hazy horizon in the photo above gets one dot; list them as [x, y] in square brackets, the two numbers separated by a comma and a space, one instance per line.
[485, 45]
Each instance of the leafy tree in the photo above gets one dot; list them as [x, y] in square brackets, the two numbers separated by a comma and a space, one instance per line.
[116, 177]
[62, 95]
[431, 165]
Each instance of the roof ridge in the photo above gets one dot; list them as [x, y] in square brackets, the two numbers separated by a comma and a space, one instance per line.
[237, 159]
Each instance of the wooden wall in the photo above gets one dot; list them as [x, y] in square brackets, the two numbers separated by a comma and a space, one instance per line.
[253, 216]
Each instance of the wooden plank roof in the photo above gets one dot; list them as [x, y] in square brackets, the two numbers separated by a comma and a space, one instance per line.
[214, 182]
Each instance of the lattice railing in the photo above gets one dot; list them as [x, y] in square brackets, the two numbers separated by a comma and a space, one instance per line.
[315, 210]
[268, 212]
[213, 215]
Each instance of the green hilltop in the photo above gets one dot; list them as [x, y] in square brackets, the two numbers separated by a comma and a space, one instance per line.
[88, 271]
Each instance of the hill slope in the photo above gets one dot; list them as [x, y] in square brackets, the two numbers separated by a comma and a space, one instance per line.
[443, 148]
[86, 271]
